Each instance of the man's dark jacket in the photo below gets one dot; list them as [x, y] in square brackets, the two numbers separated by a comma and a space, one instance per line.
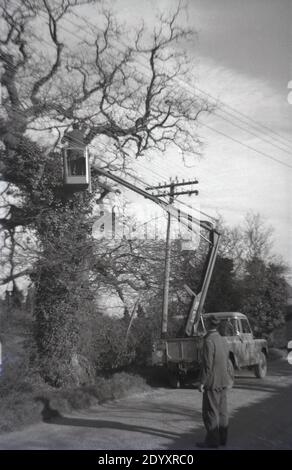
[214, 373]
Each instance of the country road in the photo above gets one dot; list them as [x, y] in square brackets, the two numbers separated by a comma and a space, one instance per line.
[165, 419]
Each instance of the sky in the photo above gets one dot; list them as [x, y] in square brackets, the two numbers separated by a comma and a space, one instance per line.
[242, 54]
[243, 57]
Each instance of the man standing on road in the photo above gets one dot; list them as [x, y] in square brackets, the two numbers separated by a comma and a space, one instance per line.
[214, 382]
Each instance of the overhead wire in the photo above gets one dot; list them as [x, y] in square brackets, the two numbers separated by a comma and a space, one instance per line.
[247, 146]
[250, 131]
[195, 88]
[186, 86]
[151, 170]
[255, 123]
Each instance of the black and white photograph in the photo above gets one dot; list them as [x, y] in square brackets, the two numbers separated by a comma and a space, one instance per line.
[145, 229]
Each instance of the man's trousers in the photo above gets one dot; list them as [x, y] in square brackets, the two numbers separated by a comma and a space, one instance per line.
[215, 416]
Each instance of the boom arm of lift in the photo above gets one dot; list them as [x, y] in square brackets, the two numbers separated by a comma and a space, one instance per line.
[198, 301]
[169, 208]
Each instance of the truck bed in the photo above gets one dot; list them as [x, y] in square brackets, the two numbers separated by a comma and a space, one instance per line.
[178, 350]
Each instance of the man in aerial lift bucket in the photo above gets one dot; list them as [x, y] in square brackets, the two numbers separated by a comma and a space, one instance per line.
[75, 150]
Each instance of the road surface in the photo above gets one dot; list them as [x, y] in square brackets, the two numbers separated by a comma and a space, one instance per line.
[165, 419]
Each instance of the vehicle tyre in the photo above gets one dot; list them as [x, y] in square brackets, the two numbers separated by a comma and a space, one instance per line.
[260, 369]
[230, 368]
[174, 381]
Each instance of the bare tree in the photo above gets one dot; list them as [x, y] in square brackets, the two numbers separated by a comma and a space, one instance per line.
[56, 69]
[129, 94]
[257, 237]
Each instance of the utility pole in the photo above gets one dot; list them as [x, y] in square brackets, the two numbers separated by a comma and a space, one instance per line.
[169, 190]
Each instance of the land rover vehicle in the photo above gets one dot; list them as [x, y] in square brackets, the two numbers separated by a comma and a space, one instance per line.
[181, 356]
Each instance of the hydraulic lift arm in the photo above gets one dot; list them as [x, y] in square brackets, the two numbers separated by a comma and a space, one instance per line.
[213, 241]
[164, 205]
[198, 300]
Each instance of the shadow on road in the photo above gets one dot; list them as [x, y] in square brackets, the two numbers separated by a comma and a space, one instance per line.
[52, 416]
[265, 424]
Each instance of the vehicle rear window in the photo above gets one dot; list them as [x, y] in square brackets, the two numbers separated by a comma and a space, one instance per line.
[227, 326]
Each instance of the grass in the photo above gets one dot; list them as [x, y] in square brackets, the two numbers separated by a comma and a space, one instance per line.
[26, 404]
[25, 399]
[105, 389]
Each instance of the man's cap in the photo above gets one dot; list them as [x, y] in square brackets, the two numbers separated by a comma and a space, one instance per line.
[213, 320]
